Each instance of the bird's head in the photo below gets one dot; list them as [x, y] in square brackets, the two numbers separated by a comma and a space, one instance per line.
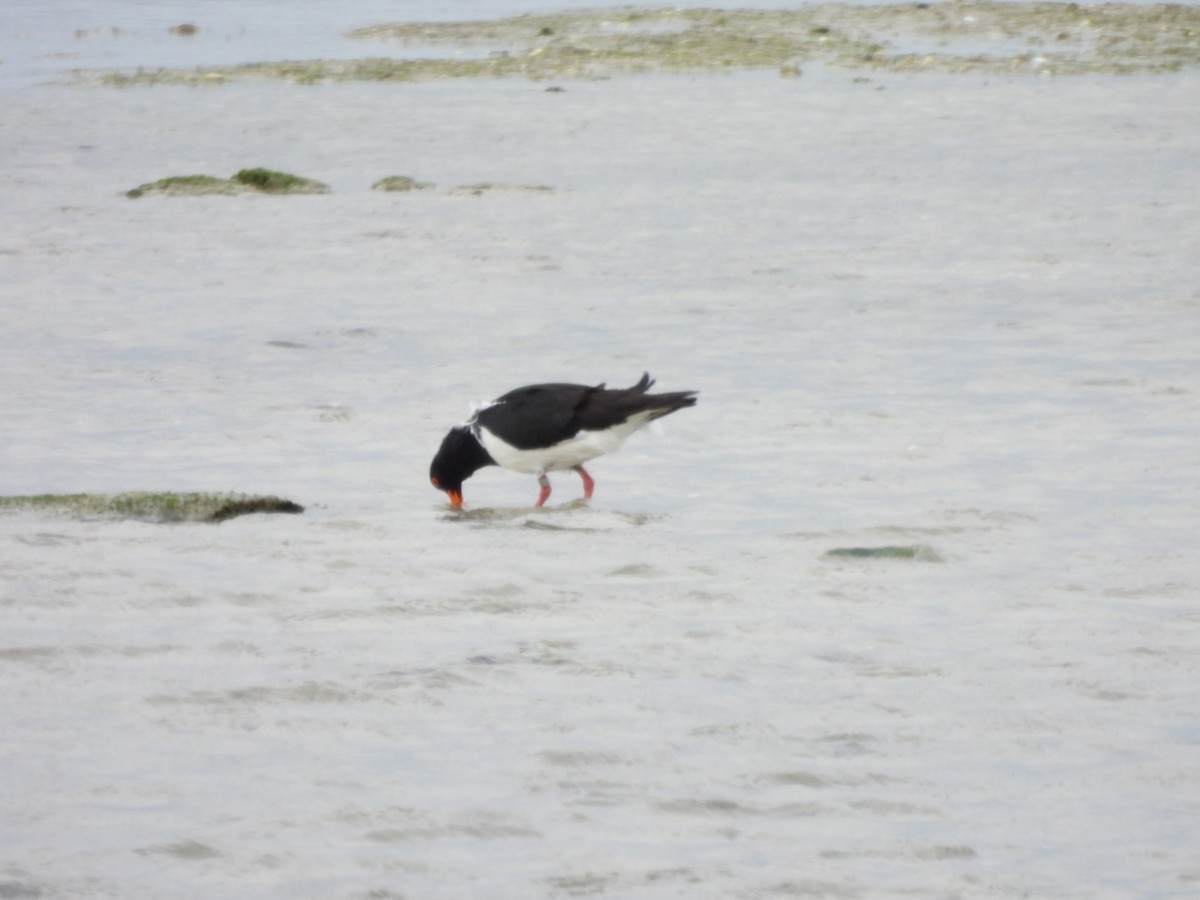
[460, 456]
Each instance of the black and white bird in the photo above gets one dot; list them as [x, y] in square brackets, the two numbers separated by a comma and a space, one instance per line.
[548, 428]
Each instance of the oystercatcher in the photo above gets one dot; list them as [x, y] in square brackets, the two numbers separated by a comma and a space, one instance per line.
[547, 428]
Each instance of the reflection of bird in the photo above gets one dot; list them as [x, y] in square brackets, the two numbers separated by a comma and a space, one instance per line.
[547, 428]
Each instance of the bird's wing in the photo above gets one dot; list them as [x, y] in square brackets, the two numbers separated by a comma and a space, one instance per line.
[537, 416]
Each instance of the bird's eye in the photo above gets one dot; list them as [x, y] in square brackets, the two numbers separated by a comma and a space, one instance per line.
[434, 481]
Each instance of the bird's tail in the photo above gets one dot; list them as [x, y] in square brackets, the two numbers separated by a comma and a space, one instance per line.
[661, 404]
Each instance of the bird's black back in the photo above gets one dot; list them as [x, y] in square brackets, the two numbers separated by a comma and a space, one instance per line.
[542, 415]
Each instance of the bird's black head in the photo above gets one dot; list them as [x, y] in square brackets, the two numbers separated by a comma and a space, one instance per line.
[460, 456]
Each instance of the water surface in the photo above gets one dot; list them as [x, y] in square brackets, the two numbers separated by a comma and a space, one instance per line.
[951, 313]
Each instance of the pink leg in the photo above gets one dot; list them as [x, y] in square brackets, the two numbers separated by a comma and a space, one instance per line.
[544, 495]
[588, 484]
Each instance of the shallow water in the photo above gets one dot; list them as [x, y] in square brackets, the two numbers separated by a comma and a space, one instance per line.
[949, 313]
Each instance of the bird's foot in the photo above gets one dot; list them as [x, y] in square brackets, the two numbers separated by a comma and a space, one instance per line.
[545, 492]
[588, 484]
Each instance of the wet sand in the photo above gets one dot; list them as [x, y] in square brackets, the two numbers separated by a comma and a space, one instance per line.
[951, 313]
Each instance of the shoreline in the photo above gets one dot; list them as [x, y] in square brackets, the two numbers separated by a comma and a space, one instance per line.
[1060, 39]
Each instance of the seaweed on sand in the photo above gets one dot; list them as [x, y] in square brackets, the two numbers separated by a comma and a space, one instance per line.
[260, 180]
[151, 506]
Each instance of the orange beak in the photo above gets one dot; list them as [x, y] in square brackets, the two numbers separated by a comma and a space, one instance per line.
[456, 500]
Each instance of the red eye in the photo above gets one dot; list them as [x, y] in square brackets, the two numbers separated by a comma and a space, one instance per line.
[435, 482]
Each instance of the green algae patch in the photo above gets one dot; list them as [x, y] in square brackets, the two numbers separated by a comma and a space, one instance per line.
[244, 506]
[271, 182]
[916, 551]
[151, 506]
[247, 181]
[1032, 38]
[189, 186]
[400, 183]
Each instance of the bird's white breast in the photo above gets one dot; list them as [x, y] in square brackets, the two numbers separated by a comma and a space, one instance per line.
[566, 455]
